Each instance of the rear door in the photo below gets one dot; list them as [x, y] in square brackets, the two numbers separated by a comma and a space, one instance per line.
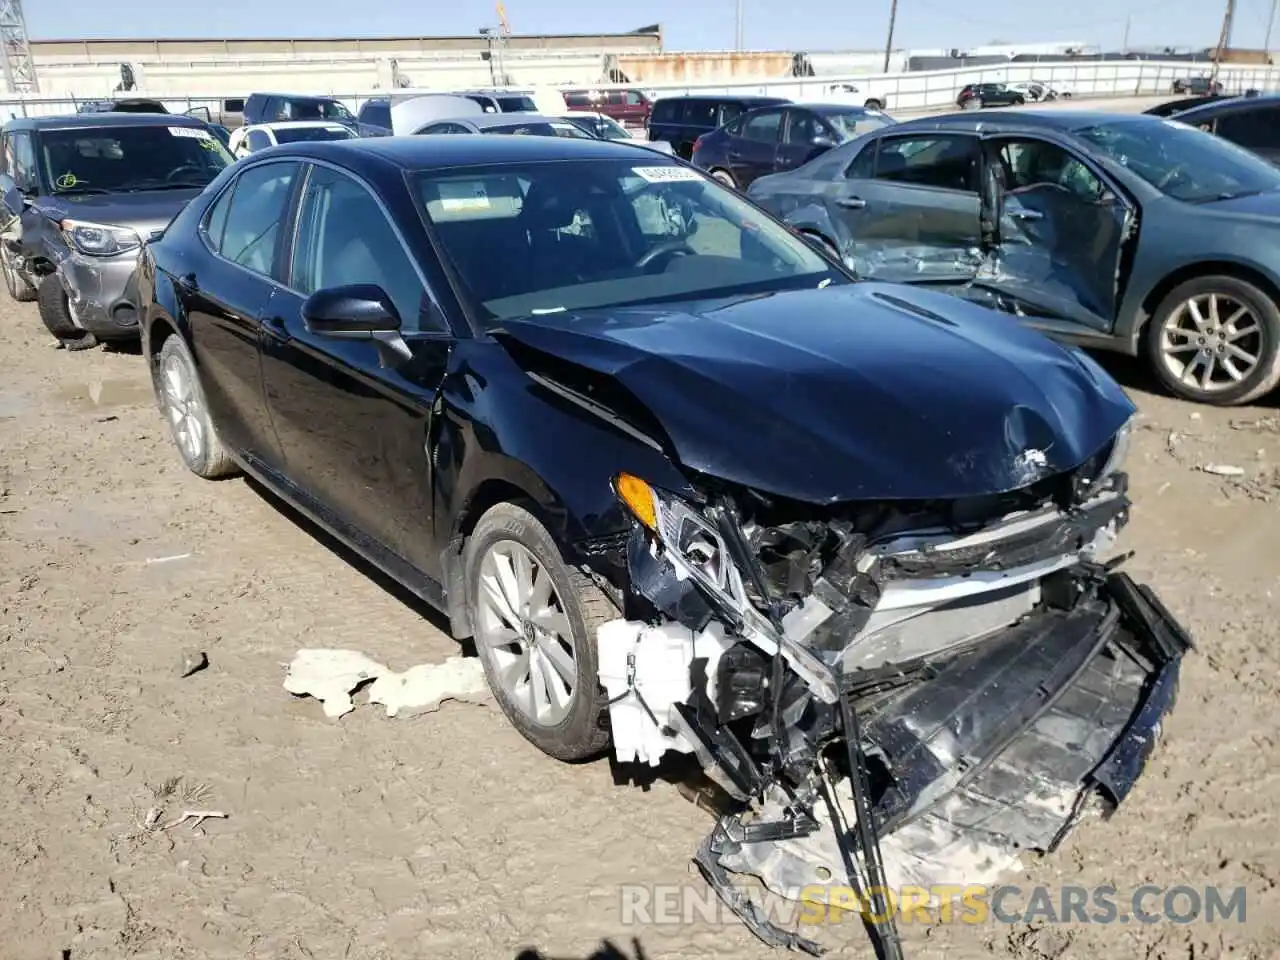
[1254, 128]
[800, 131]
[909, 210]
[354, 432]
[1062, 231]
[754, 151]
[225, 296]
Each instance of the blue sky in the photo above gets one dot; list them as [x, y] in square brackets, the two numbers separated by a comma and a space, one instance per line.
[689, 24]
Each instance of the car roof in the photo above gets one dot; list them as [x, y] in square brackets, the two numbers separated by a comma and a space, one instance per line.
[291, 96]
[729, 97]
[1061, 121]
[420, 152]
[833, 107]
[488, 121]
[297, 125]
[103, 119]
[1227, 105]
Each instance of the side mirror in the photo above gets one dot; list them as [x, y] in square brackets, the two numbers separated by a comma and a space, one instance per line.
[822, 143]
[359, 311]
[12, 197]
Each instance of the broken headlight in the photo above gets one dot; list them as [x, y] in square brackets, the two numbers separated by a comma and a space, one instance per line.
[693, 545]
[1118, 453]
[99, 239]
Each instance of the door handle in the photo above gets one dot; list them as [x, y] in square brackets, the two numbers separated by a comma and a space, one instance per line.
[851, 203]
[1026, 214]
[735, 156]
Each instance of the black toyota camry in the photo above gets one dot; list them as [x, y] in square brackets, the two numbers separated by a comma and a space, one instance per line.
[688, 486]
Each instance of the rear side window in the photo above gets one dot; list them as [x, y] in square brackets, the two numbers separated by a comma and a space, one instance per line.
[376, 113]
[864, 164]
[1257, 129]
[257, 209]
[233, 106]
[946, 162]
[763, 127]
[701, 113]
[667, 111]
[258, 140]
[576, 100]
[635, 99]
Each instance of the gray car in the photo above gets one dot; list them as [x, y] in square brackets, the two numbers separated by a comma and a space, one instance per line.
[1118, 232]
[81, 194]
[529, 124]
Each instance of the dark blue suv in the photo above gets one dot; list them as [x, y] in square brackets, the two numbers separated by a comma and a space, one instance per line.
[275, 107]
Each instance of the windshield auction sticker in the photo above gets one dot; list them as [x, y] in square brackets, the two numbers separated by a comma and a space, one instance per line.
[667, 174]
[195, 133]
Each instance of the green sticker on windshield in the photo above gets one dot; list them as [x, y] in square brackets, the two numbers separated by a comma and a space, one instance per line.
[210, 145]
[66, 181]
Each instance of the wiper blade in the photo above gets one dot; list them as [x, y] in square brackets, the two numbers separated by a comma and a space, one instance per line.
[72, 191]
[168, 185]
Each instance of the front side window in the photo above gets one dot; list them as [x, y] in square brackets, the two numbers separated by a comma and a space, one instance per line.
[576, 235]
[314, 110]
[804, 128]
[1181, 161]
[257, 140]
[259, 202]
[24, 160]
[946, 162]
[124, 159]
[345, 238]
[856, 122]
[1035, 163]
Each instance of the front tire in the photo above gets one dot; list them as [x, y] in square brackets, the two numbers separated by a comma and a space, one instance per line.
[55, 312]
[181, 400]
[535, 621]
[1216, 340]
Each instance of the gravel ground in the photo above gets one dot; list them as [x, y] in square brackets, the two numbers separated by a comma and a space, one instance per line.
[447, 835]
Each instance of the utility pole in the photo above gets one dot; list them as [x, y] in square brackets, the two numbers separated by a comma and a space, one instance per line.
[19, 66]
[1224, 38]
[1128, 22]
[737, 27]
[1271, 20]
[888, 43]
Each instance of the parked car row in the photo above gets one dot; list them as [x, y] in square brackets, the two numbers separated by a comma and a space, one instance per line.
[629, 431]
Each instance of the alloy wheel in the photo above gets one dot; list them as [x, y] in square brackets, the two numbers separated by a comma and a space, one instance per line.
[1211, 342]
[523, 631]
[181, 402]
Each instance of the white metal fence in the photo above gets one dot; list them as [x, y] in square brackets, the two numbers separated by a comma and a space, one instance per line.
[902, 91]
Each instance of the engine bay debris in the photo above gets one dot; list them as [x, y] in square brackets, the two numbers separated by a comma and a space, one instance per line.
[332, 676]
[892, 695]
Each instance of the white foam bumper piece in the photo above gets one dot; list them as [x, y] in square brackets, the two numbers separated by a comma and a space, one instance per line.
[646, 666]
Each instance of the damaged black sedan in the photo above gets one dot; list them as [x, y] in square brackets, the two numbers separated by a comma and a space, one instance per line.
[689, 487]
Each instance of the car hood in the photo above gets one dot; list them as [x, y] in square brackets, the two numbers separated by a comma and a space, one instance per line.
[869, 391]
[144, 211]
[1265, 206]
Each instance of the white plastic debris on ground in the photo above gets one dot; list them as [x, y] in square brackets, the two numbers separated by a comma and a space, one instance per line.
[644, 666]
[331, 676]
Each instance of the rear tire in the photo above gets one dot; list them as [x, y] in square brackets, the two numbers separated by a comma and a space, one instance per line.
[572, 611]
[1172, 336]
[725, 177]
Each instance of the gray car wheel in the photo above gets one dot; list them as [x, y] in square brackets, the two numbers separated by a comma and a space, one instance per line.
[535, 620]
[55, 314]
[725, 177]
[181, 400]
[1216, 340]
[19, 286]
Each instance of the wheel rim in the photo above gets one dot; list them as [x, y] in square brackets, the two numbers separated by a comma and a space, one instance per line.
[723, 178]
[524, 633]
[1211, 342]
[181, 404]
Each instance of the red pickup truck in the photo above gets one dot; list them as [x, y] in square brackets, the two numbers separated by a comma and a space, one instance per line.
[631, 108]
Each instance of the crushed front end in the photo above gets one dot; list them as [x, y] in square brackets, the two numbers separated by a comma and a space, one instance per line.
[893, 694]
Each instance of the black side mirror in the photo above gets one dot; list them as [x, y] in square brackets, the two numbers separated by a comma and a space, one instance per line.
[12, 197]
[358, 311]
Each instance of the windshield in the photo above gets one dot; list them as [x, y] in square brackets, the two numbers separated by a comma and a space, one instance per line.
[115, 159]
[318, 110]
[544, 129]
[856, 122]
[1181, 161]
[306, 134]
[579, 234]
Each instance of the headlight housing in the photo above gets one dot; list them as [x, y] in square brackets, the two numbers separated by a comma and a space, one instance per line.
[693, 544]
[1118, 453]
[99, 239]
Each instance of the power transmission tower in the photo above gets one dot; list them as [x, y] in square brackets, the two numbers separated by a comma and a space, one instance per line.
[1224, 38]
[19, 67]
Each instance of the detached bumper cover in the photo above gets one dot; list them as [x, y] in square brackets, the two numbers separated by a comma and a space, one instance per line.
[102, 292]
[998, 750]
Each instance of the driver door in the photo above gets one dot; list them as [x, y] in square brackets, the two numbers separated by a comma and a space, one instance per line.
[1062, 231]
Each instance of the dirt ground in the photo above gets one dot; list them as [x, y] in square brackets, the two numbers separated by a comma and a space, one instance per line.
[447, 835]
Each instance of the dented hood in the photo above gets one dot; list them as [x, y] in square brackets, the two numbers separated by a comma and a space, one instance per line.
[845, 393]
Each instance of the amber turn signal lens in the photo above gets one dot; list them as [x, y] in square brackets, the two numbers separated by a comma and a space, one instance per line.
[638, 496]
